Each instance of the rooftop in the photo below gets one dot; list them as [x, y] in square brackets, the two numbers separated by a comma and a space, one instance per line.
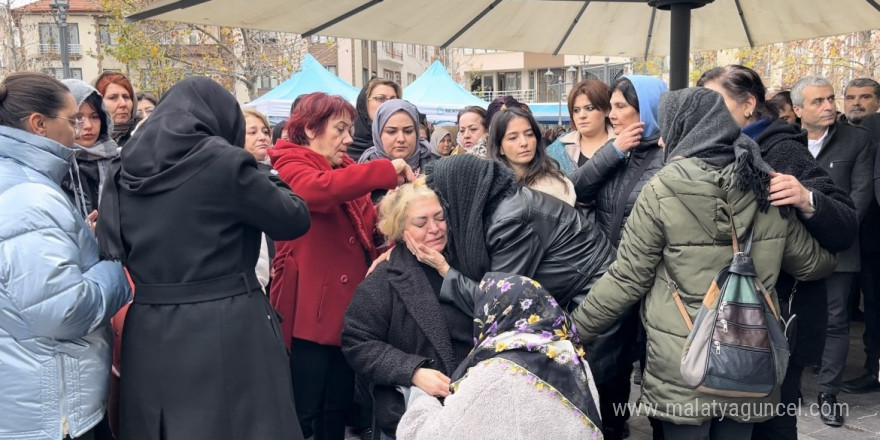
[76, 6]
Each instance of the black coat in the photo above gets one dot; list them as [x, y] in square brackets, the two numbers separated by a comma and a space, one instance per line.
[869, 230]
[394, 325]
[207, 369]
[784, 148]
[603, 177]
[848, 156]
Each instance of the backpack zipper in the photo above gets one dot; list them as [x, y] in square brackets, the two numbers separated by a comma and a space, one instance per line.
[718, 345]
[724, 324]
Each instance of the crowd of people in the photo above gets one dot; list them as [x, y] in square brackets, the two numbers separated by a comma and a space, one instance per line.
[180, 268]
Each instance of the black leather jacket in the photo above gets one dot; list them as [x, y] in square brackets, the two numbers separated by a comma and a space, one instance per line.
[541, 237]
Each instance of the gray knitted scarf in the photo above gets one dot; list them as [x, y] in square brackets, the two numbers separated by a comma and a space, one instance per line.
[695, 122]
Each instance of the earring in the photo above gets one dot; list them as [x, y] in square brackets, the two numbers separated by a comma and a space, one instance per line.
[748, 115]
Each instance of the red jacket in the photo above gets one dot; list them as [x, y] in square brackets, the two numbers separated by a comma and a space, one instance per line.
[316, 275]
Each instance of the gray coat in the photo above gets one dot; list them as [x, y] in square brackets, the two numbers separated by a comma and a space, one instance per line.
[56, 298]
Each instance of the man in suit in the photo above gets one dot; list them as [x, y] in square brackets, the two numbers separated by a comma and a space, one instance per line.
[860, 104]
[846, 153]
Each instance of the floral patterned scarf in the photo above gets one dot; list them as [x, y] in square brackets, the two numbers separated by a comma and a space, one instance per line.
[517, 320]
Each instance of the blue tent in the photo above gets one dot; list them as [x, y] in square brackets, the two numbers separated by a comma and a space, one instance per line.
[438, 96]
[312, 77]
[550, 112]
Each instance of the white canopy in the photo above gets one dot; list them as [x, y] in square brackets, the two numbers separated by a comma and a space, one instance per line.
[635, 28]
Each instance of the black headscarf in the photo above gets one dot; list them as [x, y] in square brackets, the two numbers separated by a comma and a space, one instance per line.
[469, 189]
[277, 129]
[363, 128]
[194, 120]
[695, 122]
[518, 321]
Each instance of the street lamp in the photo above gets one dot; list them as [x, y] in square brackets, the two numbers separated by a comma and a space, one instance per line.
[560, 84]
[59, 10]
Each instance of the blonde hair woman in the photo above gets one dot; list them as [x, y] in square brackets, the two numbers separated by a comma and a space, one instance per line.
[397, 332]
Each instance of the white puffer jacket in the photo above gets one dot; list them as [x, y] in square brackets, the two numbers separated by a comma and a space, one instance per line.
[56, 298]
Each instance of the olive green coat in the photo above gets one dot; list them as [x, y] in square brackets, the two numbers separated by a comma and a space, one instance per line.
[679, 221]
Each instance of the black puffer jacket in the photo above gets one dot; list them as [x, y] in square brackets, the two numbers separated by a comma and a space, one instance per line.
[834, 225]
[603, 178]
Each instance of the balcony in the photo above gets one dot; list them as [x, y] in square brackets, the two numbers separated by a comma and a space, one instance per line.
[519, 95]
[388, 53]
[55, 49]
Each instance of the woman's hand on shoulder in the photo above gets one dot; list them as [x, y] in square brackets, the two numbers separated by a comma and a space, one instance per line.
[383, 257]
[787, 190]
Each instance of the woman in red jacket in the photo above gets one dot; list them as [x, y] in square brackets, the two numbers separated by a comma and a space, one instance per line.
[316, 274]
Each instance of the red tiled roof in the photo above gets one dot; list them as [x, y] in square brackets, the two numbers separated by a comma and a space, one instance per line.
[75, 6]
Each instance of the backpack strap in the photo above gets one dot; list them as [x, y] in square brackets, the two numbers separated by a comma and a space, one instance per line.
[673, 287]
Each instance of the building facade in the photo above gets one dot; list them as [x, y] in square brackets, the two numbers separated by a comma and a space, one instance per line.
[531, 77]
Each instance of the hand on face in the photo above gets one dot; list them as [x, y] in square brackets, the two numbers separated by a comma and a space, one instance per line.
[630, 137]
[425, 254]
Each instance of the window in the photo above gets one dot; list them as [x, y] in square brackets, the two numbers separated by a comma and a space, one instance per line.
[267, 82]
[387, 74]
[411, 50]
[321, 39]
[193, 39]
[331, 69]
[410, 78]
[57, 72]
[366, 76]
[397, 77]
[49, 39]
[105, 37]
[264, 37]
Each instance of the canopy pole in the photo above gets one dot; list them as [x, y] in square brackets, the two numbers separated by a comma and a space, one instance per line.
[679, 41]
[679, 37]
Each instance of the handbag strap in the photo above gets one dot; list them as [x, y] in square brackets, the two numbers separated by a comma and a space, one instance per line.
[673, 287]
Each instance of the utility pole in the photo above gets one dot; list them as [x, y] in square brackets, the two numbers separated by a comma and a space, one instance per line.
[59, 13]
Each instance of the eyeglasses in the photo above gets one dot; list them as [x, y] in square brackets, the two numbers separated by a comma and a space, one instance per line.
[76, 122]
[382, 98]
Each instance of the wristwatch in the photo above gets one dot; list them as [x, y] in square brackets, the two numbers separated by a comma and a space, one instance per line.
[812, 205]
